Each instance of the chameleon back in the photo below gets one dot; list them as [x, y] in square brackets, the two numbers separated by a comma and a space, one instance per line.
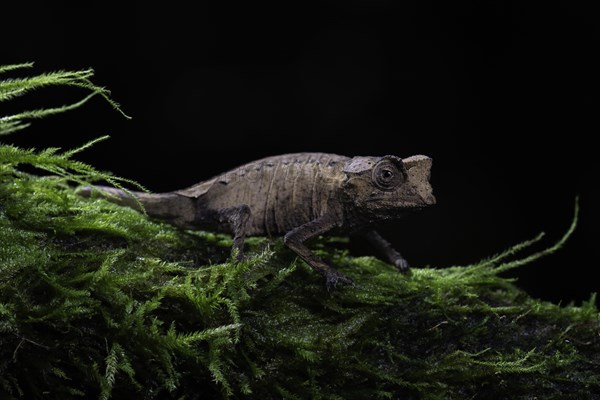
[283, 192]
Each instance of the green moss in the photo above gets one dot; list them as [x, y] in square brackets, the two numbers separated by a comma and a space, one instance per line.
[98, 301]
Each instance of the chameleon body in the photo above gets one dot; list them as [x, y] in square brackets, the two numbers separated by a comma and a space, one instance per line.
[298, 196]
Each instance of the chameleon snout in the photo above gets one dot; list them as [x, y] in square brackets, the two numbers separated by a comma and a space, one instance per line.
[429, 199]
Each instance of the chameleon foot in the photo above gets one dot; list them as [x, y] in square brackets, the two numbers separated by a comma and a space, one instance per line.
[333, 277]
[402, 265]
[241, 257]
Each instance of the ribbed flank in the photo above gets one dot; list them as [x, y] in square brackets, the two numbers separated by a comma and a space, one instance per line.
[283, 192]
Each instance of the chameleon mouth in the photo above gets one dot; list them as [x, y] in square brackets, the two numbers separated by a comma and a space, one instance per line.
[416, 205]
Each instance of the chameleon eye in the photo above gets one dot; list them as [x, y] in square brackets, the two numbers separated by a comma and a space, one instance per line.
[386, 176]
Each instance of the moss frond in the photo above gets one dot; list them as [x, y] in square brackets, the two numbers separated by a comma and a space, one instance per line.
[60, 165]
[15, 87]
[13, 67]
[560, 243]
[41, 113]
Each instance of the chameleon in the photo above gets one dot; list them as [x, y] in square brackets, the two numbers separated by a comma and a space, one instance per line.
[297, 196]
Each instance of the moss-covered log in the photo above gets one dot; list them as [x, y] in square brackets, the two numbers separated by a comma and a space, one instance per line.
[98, 301]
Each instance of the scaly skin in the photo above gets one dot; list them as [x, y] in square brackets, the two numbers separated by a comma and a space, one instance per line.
[298, 196]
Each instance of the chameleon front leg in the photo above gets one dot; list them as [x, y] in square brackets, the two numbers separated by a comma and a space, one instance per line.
[387, 250]
[237, 218]
[295, 239]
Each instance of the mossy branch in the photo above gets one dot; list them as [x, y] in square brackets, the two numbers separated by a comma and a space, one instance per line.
[98, 301]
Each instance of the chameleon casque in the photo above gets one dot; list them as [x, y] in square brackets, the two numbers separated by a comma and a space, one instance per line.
[298, 196]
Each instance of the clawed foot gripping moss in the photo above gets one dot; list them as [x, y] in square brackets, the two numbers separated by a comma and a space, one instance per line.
[98, 301]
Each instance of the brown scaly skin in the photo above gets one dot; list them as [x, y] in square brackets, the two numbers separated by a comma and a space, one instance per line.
[298, 196]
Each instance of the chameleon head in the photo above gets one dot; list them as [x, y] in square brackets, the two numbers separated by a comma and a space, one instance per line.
[387, 186]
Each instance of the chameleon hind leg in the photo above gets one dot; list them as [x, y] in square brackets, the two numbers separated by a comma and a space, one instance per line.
[237, 218]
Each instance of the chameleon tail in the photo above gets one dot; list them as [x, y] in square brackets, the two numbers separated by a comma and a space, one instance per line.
[176, 209]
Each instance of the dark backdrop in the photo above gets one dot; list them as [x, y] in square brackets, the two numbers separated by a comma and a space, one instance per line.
[501, 94]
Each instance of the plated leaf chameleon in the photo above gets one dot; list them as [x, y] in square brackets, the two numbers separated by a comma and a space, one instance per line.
[298, 196]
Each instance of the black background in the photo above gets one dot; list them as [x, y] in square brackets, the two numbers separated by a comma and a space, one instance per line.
[501, 94]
